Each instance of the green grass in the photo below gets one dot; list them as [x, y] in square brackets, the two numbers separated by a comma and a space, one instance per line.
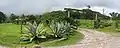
[86, 24]
[71, 40]
[89, 24]
[110, 30]
[10, 34]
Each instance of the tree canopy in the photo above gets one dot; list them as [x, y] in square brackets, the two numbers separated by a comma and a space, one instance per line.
[2, 17]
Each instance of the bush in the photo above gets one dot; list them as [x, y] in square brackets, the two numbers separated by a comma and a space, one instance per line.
[34, 33]
[43, 32]
[60, 29]
[117, 24]
[97, 24]
[105, 24]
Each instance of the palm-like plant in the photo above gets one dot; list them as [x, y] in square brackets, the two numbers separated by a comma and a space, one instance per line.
[34, 32]
[113, 15]
[60, 29]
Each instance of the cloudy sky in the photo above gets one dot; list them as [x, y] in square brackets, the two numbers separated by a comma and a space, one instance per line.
[40, 6]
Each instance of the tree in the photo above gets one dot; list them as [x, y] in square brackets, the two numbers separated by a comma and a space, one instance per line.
[88, 6]
[88, 14]
[24, 19]
[31, 18]
[113, 15]
[55, 15]
[2, 17]
[12, 17]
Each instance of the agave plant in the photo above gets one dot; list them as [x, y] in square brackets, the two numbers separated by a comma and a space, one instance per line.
[60, 29]
[34, 33]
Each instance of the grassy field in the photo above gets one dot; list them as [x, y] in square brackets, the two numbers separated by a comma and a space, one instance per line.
[10, 34]
[86, 24]
[110, 30]
[71, 40]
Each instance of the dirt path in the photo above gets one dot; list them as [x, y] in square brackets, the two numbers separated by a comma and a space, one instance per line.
[3, 46]
[95, 39]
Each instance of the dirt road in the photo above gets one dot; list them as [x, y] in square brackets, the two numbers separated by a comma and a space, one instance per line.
[3, 46]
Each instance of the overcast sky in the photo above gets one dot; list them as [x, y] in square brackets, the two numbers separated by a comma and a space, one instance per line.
[40, 6]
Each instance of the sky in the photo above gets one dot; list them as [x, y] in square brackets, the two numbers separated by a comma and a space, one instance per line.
[41, 6]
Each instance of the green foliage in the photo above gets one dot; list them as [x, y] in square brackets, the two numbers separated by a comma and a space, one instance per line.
[90, 14]
[96, 24]
[105, 23]
[55, 15]
[13, 17]
[60, 29]
[73, 39]
[31, 18]
[86, 23]
[113, 15]
[38, 33]
[34, 33]
[2, 17]
[115, 19]
[58, 16]
[117, 24]
[10, 35]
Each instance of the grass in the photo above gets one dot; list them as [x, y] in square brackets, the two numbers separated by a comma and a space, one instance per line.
[10, 34]
[86, 24]
[71, 40]
[110, 30]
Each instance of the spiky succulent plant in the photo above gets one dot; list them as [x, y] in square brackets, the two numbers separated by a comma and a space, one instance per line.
[34, 32]
[60, 29]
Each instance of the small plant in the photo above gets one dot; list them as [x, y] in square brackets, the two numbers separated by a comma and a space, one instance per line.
[34, 33]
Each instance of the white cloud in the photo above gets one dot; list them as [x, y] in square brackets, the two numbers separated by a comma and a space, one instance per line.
[39, 6]
[106, 9]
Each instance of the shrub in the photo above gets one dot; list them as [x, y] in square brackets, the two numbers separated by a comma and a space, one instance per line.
[34, 33]
[105, 24]
[60, 29]
[117, 23]
[97, 24]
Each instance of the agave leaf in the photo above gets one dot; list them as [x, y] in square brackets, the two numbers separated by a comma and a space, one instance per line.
[34, 31]
[29, 30]
[42, 36]
[31, 39]
[41, 29]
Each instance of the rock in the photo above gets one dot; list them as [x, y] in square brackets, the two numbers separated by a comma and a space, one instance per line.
[37, 46]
